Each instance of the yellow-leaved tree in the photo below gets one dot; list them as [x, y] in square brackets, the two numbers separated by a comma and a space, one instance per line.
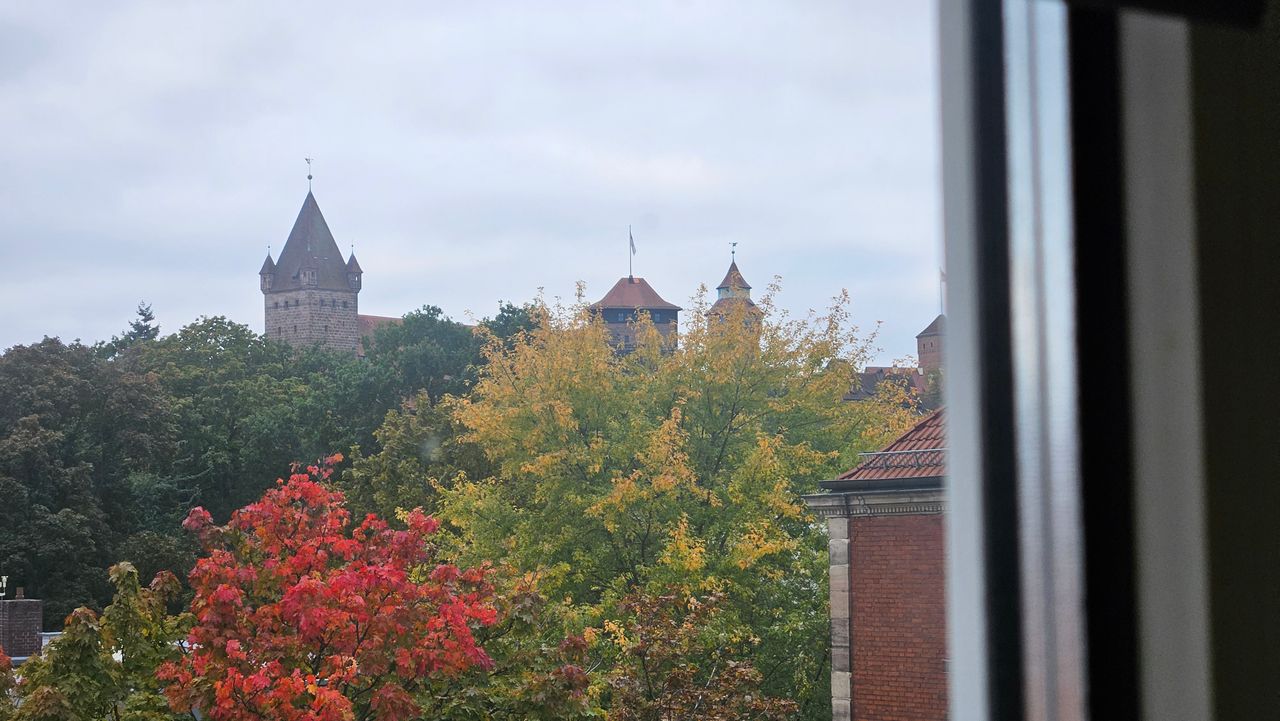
[676, 468]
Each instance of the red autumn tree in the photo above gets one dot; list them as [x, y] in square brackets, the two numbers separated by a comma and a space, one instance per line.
[301, 617]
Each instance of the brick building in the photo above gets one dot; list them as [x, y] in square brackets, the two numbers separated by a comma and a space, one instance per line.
[888, 599]
[311, 295]
[925, 380]
[20, 624]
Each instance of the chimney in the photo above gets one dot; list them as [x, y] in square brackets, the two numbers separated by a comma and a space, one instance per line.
[20, 624]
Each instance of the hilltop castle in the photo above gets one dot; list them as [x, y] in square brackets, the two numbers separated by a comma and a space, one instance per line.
[311, 296]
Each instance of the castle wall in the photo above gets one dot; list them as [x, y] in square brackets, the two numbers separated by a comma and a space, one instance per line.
[307, 317]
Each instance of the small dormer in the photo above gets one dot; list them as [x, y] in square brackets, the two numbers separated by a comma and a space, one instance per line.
[354, 273]
[267, 275]
[308, 277]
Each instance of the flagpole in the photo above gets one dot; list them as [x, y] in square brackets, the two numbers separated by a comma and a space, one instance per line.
[631, 251]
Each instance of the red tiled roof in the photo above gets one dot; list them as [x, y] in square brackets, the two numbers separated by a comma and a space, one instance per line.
[871, 377]
[633, 292]
[918, 453]
[733, 279]
[366, 325]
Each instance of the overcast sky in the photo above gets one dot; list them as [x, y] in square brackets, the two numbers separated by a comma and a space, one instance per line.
[472, 151]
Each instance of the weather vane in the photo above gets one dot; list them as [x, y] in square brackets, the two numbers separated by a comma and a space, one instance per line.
[733, 252]
[308, 172]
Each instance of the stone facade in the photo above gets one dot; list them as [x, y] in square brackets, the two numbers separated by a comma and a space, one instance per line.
[20, 624]
[929, 345]
[311, 296]
[304, 318]
[622, 329]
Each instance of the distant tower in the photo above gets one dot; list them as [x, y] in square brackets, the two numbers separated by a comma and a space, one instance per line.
[310, 293]
[734, 291]
[624, 302]
[929, 345]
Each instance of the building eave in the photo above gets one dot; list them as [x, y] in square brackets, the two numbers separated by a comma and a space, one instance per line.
[921, 500]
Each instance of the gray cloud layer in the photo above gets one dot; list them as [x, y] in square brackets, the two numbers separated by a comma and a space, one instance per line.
[472, 152]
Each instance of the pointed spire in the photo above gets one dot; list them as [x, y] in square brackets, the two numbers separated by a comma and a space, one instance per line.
[311, 248]
[353, 266]
[733, 290]
[268, 266]
[733, 279]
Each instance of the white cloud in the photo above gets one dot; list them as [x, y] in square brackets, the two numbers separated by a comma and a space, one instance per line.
[471, 151]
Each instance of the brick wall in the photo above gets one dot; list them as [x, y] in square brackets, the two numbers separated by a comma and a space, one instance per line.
[20, 627]
[897, 617]
[306, 317]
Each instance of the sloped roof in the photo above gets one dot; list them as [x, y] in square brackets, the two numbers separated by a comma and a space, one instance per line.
[633, 292]
[353, 265]
[872, 376]
[918, 453]
[733, 279]
[723, 306]
[268, 266]
[366, 325]
[310, 247]
[937, 327]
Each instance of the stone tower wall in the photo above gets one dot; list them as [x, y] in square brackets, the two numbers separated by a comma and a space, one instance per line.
[929, 352]
[303, 318]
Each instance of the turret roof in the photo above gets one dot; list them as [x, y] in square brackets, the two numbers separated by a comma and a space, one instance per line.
[633, 292]
[353, 265]
[733, 279]
[268, 266]
[937, 327]
[311, 247]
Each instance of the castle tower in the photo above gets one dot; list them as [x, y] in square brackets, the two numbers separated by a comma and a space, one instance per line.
[929, 344]
[623, 304]
[310, 294]
[732, 292]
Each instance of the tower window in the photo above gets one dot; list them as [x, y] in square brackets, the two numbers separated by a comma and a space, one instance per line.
[277, 304]
[344, 304]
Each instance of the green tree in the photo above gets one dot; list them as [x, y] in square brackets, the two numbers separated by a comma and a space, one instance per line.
[672, 468]
[237, 397]
[142, 329]
[673, 660]
[73, 429]
[103, 667]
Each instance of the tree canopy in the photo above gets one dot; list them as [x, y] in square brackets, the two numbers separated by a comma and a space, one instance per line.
[631, 521]
[668, 470]
[104, 448]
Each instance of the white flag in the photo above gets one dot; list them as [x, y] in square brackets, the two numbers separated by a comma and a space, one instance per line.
[632, 239]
